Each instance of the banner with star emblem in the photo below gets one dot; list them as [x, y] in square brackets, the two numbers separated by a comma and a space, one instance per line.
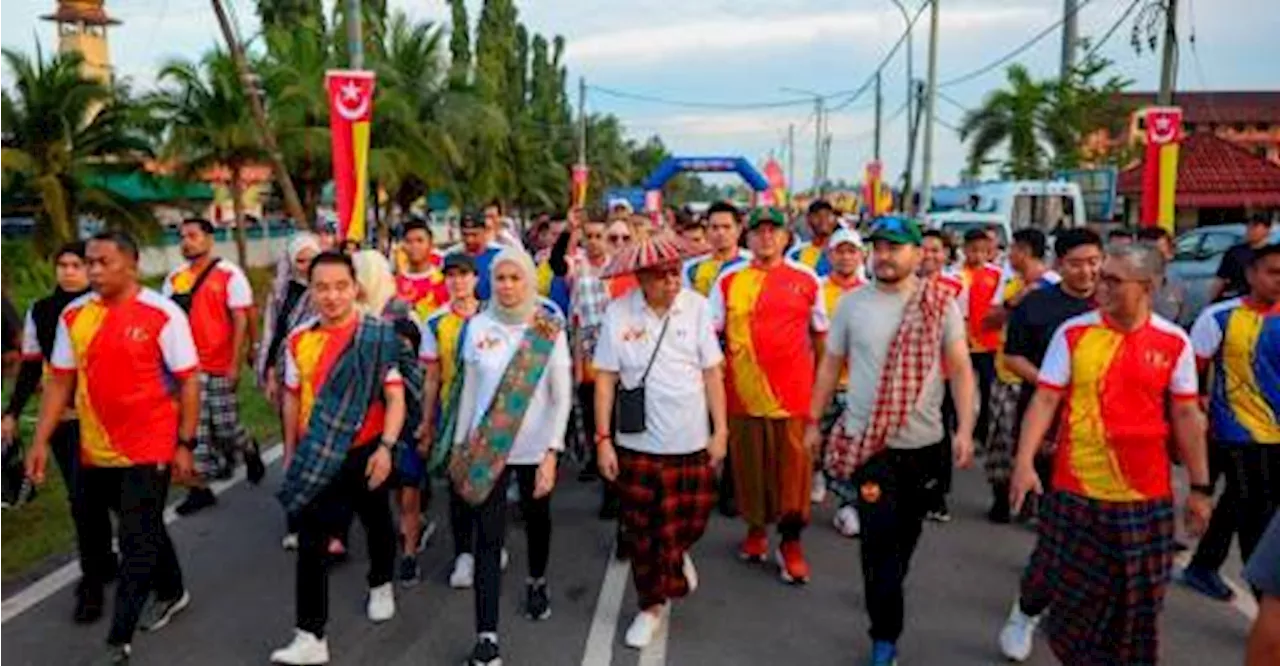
[350, 113]
[1160, 167]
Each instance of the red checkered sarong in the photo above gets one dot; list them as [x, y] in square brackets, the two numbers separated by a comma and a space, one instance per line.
[666, 501]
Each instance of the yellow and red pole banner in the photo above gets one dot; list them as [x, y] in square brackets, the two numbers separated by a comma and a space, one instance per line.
[877, 199]
[350, 113]
[777, 183]
[581, 174]
[1160, 167]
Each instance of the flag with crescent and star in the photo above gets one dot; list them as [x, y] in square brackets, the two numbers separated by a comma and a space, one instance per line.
[1160, 166]
[350, 112]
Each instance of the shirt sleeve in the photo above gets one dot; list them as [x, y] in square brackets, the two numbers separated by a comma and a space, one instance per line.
[1017, 332]
[1184, 384]
[176, 344]
[606, 349]
[709, 353]
[428, 347]
[838, 338]
[393, 377]
[1055, 370]
[560, 367]
[166, 287]
[239, 293]
[63, 358]
[818, 321]
[716, 301]
[292, 380]
[953, 324]
[1206, 334]
[30, 341]
[1227, 266]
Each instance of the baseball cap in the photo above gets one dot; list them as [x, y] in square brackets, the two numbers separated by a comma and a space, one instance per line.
[471, 221]
[896, 229]
[766, 214]
[458, 261]
[842, 236]
[820, 205]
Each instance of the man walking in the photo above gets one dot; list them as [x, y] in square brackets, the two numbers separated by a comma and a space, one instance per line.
[1125, 379]
[771, 315]
[881, 457]
[119, 350]
[420, 285]
[476, 244]
[822, 223]
[1231, 280]
[724, 226]
[217, 298]
[981, 281]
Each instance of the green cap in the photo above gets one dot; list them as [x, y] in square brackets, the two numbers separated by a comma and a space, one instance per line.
[896, 229]
[766, 215]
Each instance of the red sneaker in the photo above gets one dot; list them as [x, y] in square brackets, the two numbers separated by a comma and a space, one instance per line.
[754, 548]
[791, 563]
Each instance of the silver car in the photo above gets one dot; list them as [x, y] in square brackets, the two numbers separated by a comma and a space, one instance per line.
[1197, 254]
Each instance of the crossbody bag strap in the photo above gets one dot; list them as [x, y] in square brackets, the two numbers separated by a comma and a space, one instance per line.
[204, 275]
[653, 357]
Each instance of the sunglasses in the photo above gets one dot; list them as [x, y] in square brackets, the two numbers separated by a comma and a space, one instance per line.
[619, 238]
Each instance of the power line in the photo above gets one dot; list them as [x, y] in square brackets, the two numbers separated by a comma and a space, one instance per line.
[1112, 30]
[951, 100]
[1017, 51]
[622, 94]
[883, 61]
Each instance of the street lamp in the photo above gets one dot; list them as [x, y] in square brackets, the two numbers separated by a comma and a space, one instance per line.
[818, 132]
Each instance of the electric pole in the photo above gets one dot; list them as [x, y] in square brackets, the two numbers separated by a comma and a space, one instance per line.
[817, 146]
[292, 204]
[930, 103]
[879, 108]
[913, 127]
[582, 121]
[912, 99]
[1168, 63]
[791, 161]
[355, 41]
[1070, 35]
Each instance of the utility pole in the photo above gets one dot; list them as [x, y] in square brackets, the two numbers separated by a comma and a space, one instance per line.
[1070, 36]
[879, 108]
[817, 146]
[791, 161]
[355, 41]
[930, 103]
[582, 121]
[292, 204]
[1168, 63]
[913, 127]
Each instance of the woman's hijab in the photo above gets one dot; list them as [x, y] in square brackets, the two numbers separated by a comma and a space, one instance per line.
[523, 311]
[300, 243]
[377, 284]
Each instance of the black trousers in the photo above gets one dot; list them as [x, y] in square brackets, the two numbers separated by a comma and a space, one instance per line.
[1253, 478]
[984, 373]
[329, 514]
[893, 495]
[93, 541]
[482, 530]
[945, 460]
[148, 562]
[1211, 551]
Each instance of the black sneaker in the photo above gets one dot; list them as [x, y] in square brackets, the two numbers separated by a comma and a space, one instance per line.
[409, 572]
[485, 653]
[88, 603]
[115, 655]
[158, 613]
[939, 514]
[197, 500]
[254, 470]
[537, 602]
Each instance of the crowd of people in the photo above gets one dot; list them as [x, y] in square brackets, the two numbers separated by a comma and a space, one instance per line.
[702, 363]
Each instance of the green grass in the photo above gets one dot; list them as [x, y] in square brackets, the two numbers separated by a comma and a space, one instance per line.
[42, 529]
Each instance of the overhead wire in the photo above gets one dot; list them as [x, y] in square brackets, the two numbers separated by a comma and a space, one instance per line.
[991, 66]
[1097, 46]
[883, 61]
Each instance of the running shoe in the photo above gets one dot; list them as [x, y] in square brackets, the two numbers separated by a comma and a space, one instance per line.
[883, 653]
[409, 574]
[158, 613]
[254, 469]
[1018, 635]
[537, 601]
[754, 548]
[485, 653]
[198, 499]
[290, 541]
[1206, 582]
[115, 655]
[643, 628]
[382, 603]
[305, 650]
[464, 572]
[791, 563]
[846, 521]
[88, 603]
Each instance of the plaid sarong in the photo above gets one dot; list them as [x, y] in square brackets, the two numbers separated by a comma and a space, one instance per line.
[914, 352]
[666, 502]
[1103, 568]
[999, 448]
[354, 383]
[219, 433]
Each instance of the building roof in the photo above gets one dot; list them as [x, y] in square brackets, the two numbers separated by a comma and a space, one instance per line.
[90, 12]
[1215, 173]
[1224, 107]
[149, 188]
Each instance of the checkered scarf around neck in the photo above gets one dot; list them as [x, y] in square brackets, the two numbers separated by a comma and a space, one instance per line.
[913, 354]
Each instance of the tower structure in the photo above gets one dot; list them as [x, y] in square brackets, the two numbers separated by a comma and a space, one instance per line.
[82, 28]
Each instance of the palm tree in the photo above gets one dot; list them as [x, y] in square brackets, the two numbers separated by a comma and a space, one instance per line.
[209, 126]
[62, 133]
[1018, 116]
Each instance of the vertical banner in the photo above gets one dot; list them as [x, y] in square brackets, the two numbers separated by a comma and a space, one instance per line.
[350, 112]
[777, 193]
[876, 199]
[1160, 167]
[581, 173]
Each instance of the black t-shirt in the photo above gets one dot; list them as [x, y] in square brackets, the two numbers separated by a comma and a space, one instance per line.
[12, 326]
[1232, 269]
[1033, 322]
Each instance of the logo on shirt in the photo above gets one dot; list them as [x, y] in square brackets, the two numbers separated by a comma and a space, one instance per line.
[1157, 359]
[488, 342]
[137, 334]
[635, 334]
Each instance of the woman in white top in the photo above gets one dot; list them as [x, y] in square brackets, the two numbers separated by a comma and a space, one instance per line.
[513, 408]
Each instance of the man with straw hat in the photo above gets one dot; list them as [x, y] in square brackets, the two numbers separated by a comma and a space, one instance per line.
[658, 366]
[772, 317]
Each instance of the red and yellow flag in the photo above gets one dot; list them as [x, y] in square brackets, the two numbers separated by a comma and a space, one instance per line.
[581, 173]
[876, 197]
[350, 112]
[1160, 166]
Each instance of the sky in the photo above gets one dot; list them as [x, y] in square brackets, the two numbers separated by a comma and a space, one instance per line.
[743, 53]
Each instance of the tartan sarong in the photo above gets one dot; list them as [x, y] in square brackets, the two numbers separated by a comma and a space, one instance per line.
[1000, 446]
[666, 501]
[219, 433]
[1102, 567]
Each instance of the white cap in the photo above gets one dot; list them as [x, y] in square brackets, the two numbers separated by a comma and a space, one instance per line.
[845, 236]
[615, 203]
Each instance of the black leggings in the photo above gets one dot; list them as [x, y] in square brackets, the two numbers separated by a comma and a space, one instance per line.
[482, 530]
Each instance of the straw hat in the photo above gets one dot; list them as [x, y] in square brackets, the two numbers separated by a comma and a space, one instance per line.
[659, 249]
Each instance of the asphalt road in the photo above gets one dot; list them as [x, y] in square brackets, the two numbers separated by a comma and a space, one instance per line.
[963, 578]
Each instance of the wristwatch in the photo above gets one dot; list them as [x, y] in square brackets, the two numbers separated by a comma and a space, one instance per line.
[389, 446]
[188, 443]
[1205, 489]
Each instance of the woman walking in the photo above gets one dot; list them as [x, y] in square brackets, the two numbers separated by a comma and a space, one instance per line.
[512, 410]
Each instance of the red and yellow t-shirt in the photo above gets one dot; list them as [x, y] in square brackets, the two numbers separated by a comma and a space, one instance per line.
[424, 292]
[226, 290]
[1112, 441]
[832, 289]
[126, 357]
[980, 285]
[767, 316]
[310, 354]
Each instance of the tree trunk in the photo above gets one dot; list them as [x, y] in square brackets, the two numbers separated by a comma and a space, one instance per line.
[383, 236]
[237, 207]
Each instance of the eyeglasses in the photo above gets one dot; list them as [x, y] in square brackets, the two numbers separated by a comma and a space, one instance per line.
[619, 238]
[1112, 281]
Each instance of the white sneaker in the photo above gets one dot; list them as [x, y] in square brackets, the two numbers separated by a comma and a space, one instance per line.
[819, 492]
[382, 603]
[305, 650]
[643, 628]
[846, 522]
[464, 572]
[690, 573]
[1018, 635]
[290, 541]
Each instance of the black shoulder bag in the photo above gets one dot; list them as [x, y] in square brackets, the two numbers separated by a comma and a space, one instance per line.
[185, 301]
[629, 409]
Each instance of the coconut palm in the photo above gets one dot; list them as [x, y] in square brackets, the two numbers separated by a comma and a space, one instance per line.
[1017, 116]
[64, 132]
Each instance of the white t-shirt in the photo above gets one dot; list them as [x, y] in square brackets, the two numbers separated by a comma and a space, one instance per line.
[675, 394]
[488, 349]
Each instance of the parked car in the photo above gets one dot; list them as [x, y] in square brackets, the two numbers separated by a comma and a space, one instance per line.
[1197, 254]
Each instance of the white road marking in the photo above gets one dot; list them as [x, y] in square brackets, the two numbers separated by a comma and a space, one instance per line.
[69, 573]
[655, 653]
[604, 624]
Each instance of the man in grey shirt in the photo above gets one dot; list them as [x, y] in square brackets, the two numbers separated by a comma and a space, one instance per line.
[901, 337]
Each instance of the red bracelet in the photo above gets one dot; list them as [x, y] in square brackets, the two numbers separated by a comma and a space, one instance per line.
[809, 420]
[603, 437]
